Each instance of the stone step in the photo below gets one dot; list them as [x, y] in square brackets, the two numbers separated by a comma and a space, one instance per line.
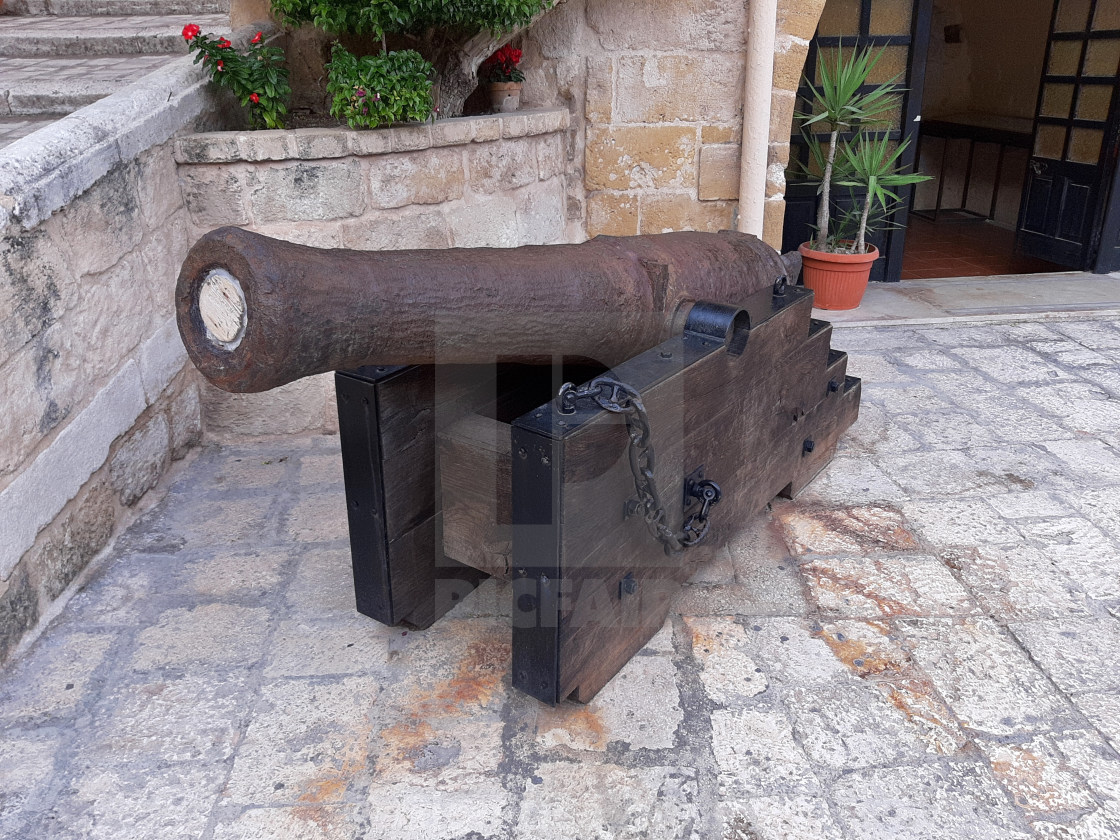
[41, 86]
[13, 128]
[31, 37]
[78, 8]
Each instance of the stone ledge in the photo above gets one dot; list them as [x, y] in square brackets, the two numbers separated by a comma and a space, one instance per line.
[47, 169]
[319, 143]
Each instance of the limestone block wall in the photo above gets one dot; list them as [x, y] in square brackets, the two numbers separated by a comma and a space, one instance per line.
[656, 93]
[492, 181]
[96, 398]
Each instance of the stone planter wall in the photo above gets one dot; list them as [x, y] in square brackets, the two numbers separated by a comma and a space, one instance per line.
[472, 182]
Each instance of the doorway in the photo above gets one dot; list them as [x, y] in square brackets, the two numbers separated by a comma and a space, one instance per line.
[1014, 108]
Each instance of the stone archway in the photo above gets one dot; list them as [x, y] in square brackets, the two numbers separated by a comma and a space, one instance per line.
[796, 24]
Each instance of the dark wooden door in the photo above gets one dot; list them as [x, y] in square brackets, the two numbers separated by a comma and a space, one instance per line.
[1067, 190]
[902, 28]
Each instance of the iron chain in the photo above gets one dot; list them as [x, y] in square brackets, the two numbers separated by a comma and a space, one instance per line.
[619, 398]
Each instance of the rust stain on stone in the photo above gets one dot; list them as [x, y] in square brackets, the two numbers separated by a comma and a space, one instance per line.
[406, 741]
[477, 677]
[319, 791]
[917, 699]
[580, 726]
[867, 658]
[1033, 782]
[828, 579]
[859, 529]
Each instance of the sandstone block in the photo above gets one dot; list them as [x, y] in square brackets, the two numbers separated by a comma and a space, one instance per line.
[104, 223]
[27, 394]
[663, 212]
[272, 144]
[307, 191]
[157, 185]
[410, 138]
[429, 177]
[36, 287]
[490, 223]
[211, 147]
[290, 409]
[396, 230]
[668, 24]
[215, 195]
[720, 134]
[185, 415]
[789, 64]
[316, 235]
[638, 157]
[719, 172]
[782, 106]
[600, 90]
[364, 143]
[19, 612]
[312, 143]
[540, 214]
[140, 460]
[496, 167]
[68, 545]
[486, 128]
[799, 17]
[215, 634]
[705, 87]
[612, 214]
[552, 156]
[514, 125]
[453, 132]
[161, 357]
[247, 12]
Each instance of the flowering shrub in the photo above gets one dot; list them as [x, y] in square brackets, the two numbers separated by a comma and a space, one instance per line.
[379, 89]
[257, 77]
[455, 35]
[502, 66]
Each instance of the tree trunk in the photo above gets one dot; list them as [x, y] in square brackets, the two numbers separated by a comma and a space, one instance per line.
[458, 66]
[826, 188]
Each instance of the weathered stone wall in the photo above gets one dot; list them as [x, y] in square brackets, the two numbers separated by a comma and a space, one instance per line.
[656, 93]
[96, 401]
[471, 182]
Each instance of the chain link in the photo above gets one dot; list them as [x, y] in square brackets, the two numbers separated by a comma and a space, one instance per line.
[619, 398]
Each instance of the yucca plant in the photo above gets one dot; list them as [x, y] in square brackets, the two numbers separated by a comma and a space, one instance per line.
[840, 104]
[871, 165]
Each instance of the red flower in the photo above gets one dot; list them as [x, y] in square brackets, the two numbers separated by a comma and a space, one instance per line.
[225, 43]
[190, 31]
[257, 38]
[254, 98]
[221, 64]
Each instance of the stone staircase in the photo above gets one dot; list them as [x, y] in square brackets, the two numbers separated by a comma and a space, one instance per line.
[58, 55]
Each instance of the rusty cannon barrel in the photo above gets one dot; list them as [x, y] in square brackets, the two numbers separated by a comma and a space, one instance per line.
[256, 312]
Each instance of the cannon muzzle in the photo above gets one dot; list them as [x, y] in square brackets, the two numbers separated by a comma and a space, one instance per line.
[256, 313]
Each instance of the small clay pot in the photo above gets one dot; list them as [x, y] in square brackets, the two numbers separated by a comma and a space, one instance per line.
[838, 281]
[505, 96]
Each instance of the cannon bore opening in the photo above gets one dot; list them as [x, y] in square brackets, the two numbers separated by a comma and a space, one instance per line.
[221, 305]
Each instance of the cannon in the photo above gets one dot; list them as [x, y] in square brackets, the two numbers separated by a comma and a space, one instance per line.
[588, 422]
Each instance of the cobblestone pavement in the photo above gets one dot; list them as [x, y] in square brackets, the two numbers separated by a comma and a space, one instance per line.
[921, 646]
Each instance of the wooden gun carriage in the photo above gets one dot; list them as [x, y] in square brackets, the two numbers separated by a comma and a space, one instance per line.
[590, 422]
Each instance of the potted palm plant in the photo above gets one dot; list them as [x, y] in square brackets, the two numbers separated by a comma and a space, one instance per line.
[837, 263]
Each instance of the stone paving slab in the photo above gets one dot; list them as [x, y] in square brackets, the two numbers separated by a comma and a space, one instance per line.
[13, 128]
[97, 8]
[49, 36]
[921, 647]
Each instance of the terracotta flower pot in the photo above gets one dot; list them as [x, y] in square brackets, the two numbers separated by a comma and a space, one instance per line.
[838, 281]
[505, 96]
